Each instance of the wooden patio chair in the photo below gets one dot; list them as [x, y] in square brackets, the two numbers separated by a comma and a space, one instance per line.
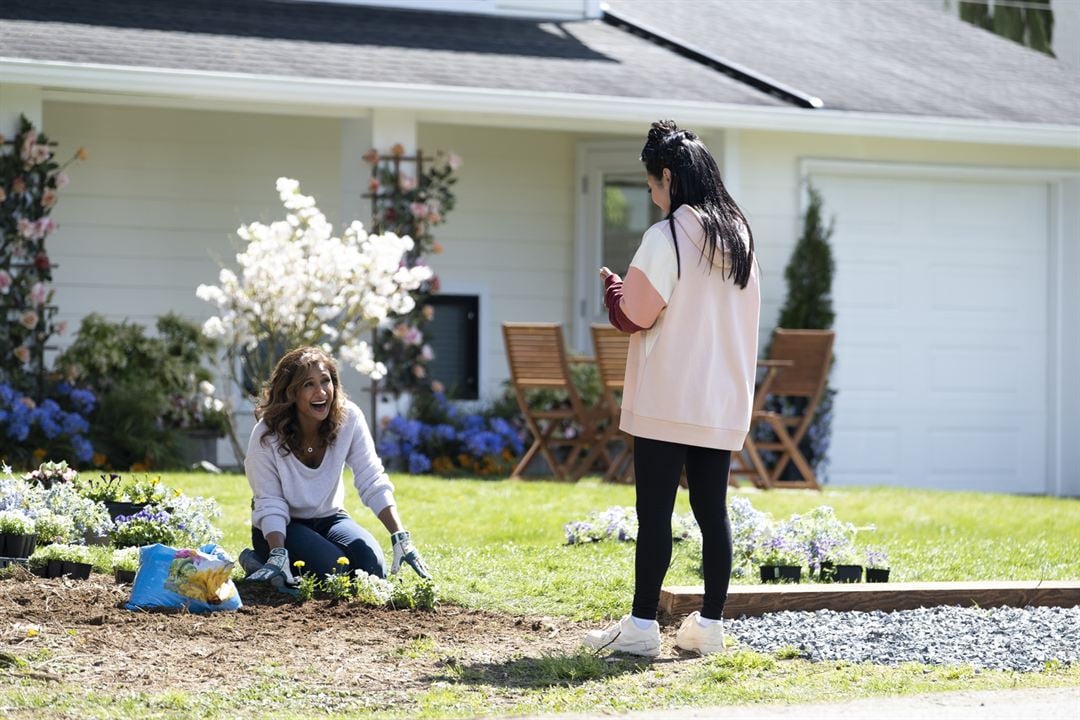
[797, 367]
[611, 346]
[538, 360]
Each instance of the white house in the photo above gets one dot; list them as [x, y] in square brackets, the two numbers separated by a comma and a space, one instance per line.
[949, 157]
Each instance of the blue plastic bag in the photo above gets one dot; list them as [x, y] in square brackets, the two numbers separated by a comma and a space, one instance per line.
[198, 580]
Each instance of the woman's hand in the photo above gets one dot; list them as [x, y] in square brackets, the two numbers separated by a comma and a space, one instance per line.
[604, 272]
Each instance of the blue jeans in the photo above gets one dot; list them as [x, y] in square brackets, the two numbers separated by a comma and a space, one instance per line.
[319, 542]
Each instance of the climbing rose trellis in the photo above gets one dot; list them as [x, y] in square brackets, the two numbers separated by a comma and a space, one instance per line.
[299, 284]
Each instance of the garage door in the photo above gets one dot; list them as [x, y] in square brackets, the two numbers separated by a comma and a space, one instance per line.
[941, 317]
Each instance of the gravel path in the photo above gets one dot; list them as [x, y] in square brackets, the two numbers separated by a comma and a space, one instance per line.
[1003, 638]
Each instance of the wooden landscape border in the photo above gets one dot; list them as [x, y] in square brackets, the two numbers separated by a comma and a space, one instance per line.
[676, 601]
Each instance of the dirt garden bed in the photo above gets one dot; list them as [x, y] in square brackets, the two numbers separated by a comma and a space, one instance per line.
[79, 632]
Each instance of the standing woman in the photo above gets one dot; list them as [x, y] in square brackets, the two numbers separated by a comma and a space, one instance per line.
[691, 299]
[307, 432]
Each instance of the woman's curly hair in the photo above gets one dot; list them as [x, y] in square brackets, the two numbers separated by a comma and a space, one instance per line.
[277, 402]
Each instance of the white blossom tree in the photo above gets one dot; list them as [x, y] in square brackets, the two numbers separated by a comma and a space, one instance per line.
[299, 284]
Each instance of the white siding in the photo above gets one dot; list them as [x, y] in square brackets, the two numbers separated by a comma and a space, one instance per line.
[511, 237]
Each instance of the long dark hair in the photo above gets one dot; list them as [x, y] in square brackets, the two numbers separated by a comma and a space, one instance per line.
[695, 181]
[277, 404]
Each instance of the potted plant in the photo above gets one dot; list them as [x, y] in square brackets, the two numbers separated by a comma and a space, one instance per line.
[877, 565]
[826, 538]
[125, 564]
[53, 528]
[123, 497]
[59, 560]
[780, 558]
[49, 473]
[17, 537]
[146, 527]
[201, 419]
[846, 568]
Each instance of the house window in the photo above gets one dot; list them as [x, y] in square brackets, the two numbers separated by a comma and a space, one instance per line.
[454, 335]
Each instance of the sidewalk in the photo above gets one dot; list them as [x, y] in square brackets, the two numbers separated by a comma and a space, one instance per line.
[1039, 704]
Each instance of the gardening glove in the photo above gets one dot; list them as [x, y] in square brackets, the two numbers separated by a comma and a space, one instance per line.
[276, 570]
[404, 550]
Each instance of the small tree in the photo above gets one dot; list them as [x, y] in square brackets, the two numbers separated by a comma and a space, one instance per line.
[808, 306]
[301, 285]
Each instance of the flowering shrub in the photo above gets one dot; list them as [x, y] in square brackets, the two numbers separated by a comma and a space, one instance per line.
[823, 536]
[34, 429]
[30, 181]
[448, 441]
[197, 409]
[301, 285]
[411, 205]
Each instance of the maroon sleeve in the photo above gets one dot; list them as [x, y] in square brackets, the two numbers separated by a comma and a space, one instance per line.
[613, 299]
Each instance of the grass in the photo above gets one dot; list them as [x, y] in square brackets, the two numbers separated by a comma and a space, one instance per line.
[499, 545]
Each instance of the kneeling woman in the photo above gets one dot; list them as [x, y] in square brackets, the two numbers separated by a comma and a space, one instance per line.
[307, 432]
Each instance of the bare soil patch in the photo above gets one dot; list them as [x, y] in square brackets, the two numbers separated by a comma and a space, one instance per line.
[79, 632]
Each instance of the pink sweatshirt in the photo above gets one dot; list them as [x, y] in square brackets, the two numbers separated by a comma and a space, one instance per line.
[693, 355]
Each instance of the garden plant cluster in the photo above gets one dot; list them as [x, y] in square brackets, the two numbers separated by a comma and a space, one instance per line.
[70, 516]
[361, 587]
[815, 540]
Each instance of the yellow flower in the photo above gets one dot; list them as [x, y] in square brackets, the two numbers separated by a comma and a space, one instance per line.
[31, 632]
[300, 564]
[343, 560]
[81, 154]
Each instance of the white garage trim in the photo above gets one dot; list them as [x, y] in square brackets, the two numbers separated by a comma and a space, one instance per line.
[1061, 466]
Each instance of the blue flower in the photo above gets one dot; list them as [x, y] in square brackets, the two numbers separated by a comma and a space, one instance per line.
[83, 401]
[84, 451]
[419, 463]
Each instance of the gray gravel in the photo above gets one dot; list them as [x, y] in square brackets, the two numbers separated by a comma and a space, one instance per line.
[1004, 638]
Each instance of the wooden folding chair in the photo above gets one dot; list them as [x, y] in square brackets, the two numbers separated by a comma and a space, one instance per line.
[538, 360]
[798, 367]
[611, 347]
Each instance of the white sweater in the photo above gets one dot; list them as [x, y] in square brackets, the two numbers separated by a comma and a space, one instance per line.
[285, 488]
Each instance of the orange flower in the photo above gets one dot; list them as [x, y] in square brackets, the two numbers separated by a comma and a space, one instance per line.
[373, 186]
[39, 454]
[99, 459]
[81, 154]
[398, 150]
[139, 467]
[437, 248]
[371, 156]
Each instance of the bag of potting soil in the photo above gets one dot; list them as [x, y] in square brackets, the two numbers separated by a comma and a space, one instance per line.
[198, 580]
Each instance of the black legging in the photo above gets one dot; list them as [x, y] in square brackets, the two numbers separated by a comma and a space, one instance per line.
[657, 467]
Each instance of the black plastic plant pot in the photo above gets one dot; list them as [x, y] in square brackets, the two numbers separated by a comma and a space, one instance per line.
[17, 545]
[124, 576]
[781, 573]
[117, 508]
[847, 574]
[54, 569]
[77, 571]
[826, 571]
[877, 575]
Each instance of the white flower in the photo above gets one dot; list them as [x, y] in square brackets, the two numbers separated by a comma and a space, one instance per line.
[206, 388]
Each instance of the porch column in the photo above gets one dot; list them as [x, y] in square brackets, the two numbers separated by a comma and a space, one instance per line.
[381, 130]
[1065, 387]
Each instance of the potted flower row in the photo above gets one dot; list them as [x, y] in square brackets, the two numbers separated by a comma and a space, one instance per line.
[20, 534]
[59, 560]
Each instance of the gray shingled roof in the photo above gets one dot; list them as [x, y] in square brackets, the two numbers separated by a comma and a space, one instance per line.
[874, 56]
[335, 41]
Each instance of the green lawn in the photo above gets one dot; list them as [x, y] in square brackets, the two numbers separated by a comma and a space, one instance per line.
[499, 544]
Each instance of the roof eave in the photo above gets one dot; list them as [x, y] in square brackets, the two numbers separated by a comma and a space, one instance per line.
[487, 105]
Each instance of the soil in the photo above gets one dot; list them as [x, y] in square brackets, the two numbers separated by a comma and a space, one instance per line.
[79, 632]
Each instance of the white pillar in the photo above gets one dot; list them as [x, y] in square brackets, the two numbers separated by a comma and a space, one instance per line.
[1064, 383]
[17, 100]
[381, 131]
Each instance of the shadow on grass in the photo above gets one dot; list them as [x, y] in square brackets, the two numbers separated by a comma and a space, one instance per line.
[547, 670]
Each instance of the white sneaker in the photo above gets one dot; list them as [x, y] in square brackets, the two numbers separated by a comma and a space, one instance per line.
[694, 637]
[624, 636]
